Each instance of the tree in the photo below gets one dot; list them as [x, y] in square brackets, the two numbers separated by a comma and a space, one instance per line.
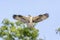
[58, 31]
[17, 30]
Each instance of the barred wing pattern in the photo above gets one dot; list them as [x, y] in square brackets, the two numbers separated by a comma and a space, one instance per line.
[30, 20]
[21, 18]
[40, 18]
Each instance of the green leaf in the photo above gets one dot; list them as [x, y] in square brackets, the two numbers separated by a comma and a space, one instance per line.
[58, 29]
[18, 23]
[13, 29]
[4, 28]
[12, 24]
[6, 22]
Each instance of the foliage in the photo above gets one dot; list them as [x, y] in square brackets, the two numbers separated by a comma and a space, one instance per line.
[17, 30]
[58, 31]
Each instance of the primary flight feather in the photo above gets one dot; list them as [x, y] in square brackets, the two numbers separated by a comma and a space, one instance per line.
[30, 20]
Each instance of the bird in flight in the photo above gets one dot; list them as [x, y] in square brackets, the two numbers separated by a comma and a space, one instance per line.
[30, 20]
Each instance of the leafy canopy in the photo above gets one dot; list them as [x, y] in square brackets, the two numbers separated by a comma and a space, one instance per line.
[17, 30]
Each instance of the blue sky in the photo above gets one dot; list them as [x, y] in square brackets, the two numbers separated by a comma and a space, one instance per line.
[34, 7]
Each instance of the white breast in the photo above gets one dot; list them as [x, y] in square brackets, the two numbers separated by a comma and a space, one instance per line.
[30, 20]
[30, 24]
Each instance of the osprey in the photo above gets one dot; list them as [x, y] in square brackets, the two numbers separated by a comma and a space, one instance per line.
[30, 20]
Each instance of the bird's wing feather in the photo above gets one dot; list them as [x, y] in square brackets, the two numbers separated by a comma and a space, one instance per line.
[21, 18]
[40, 17]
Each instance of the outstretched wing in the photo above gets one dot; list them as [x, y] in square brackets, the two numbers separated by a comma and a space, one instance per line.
[40, 17]
[21, 18]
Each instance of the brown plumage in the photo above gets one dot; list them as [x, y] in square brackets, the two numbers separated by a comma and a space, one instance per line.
[30, 20]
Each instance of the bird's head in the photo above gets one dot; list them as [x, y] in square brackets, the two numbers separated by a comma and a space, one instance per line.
[29, 15]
